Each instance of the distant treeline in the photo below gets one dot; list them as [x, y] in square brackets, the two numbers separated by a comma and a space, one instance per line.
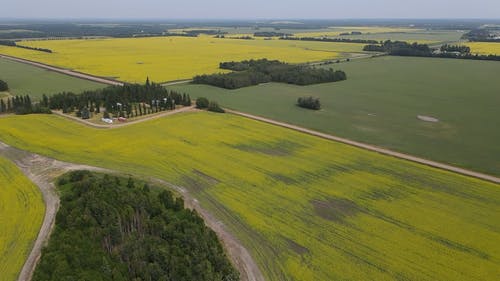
[130, 100]
[400, 48]
[49, 30]
[351, 33]
[254, 72]
[55, 30]
[116, 229]
[13, 44]
[184, 33]
[482, 35]
[271, 34]
[341, 40]
[197, 32]
[239, 37]
[21, 105]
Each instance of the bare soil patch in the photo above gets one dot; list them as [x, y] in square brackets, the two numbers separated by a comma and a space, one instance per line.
[427, 118]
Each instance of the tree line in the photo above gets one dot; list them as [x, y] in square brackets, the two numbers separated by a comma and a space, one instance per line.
[455, 48]
[270, 34]
[11, 43]
[21, 105]
[400, 48]
[482, 35]
[338, 40]
[129, 100]
[253, 72]
[117, 228]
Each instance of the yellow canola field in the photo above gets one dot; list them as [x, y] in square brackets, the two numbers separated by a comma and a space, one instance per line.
[21, 215]
[169, 58]
[306, 208]
[484, 48]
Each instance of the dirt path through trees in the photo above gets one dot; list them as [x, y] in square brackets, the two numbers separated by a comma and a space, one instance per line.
[43, 171]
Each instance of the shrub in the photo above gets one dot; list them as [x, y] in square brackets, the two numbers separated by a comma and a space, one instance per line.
[214, 107]
[309, 103]
[3, 86]
[202, 103]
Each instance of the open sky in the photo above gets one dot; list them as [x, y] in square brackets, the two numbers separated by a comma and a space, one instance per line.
[254, 9]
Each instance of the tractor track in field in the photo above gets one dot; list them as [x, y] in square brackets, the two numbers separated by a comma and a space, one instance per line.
[43, 171]
[377, 149]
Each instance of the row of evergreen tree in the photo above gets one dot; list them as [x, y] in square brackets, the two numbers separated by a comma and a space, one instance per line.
[130, 100]
[21, 105]
[254, 72]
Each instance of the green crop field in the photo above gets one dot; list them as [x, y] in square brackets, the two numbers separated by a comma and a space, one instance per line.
[306, 208]
[25, 79]
[21, 214]
[379, 104]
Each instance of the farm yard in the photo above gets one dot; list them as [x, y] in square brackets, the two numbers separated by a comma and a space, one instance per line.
[21, 215]
[379, 104]
[24, 79]
[306, 208]
[170, 58]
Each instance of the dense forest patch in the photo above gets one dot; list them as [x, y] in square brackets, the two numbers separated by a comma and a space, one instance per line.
[112, 228]
[253, 72]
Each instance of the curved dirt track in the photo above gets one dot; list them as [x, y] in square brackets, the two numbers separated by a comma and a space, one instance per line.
[43, 171]
[371, 147]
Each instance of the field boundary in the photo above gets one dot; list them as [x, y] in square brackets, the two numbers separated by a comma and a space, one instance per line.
[373, 148]
[73, 73]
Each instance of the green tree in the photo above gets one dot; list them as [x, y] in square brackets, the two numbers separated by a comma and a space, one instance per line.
[202, 102]
[3, 86]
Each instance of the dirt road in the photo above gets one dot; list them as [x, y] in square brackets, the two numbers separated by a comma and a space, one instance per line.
[65, 71]
[118, 125]
[43, 171]
[81, 75]
[371, 147]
